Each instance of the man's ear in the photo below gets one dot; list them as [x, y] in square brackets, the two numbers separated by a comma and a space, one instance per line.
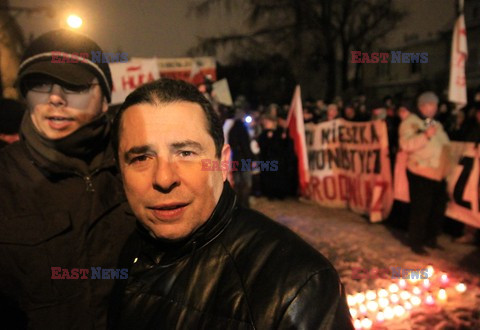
[104, 104]
[225, 157]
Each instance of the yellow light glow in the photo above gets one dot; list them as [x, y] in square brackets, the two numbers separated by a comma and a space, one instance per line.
[460, 287]
[442, 295]
[382, 293]
[353, 312]
[351, 300]
[415, 301]
[362, 309]
[408, 306]
[394, 298]
[359, 298]
[426, 284]
[367, 323]
[429, 300]
[416, 290]
[405, 295]
[380, 317]
[74, 21]
[399, 310]
[388, 313]
[372, 306]
[402, 283]
[357, 324]
[444, 278]
[370, 295]
[430, 270]
[393, 288]
[383, 302]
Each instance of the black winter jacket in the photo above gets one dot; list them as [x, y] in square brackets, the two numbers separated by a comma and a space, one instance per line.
[54, 218]
[240, 270]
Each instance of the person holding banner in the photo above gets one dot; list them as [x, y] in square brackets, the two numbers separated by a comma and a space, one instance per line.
[426, 144]
[62, 205]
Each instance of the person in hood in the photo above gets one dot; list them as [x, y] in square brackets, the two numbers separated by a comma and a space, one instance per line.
[62, 206]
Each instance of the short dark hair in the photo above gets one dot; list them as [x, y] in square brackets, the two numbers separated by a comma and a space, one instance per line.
[168, 91]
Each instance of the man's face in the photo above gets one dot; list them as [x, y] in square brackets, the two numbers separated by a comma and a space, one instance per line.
[428, 109]
[161, 148]
[63, 110]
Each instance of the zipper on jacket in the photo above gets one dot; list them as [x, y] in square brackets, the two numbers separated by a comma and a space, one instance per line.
[88, 181]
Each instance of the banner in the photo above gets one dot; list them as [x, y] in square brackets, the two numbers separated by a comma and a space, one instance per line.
[128, 76]
[463, 184]
[191, 69]
[349, 166]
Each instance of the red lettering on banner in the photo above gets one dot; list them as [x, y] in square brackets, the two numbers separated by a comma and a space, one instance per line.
[331, 180]
[128, 83]
[343, 187]
[377, 205]
[368, 194]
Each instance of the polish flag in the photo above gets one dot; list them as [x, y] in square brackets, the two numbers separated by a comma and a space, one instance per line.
[457, 90]
[296, 130]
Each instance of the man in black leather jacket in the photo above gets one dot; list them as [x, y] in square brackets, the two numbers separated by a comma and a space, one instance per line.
[199, 260]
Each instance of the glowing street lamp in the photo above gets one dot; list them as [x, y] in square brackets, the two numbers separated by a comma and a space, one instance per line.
[74, 21]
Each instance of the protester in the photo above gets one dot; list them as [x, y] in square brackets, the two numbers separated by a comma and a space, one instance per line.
[349, 113]
[426, 144]
[239, 141]
[199, 260]
[11, 113]
[332, 112]
[61, 202]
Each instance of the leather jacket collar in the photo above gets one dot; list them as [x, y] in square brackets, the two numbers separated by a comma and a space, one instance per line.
[164, 252]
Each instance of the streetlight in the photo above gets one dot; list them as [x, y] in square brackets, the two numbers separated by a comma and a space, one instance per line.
[74, 21]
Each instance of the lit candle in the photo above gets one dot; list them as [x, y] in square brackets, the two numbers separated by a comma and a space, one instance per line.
[380, 317]
[402, 283]
[372, 306]
[393, 288]
[383, 302]
[382, 293]
[444, 279]
[353, 312]
[370, 295]
[430, 271]
[394, 298]
[405, 295]
[429, 300]
[357, 324]
[399, 310]
[363, 309]
[367, 323]
[460, 287]
[359, 298]
[426, 284]
[351, 300]
[388, 313]
[415, 301]
[416, 290]
[408, 306]
[442, 295]
[414, 280]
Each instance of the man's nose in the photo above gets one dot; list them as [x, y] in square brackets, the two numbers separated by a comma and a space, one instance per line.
[57, 96]
[166, 176]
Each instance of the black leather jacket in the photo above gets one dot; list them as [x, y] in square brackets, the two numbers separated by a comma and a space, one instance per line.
[240, 270]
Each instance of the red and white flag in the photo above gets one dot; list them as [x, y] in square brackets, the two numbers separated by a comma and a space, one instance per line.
[457, 90]
[296, 129]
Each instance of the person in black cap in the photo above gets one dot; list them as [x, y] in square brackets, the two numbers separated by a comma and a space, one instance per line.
[11, 113]
[63, 216]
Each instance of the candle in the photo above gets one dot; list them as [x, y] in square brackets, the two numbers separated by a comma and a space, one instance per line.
[367, 323]
[353, 312]
[399, 310]
[461, 288]
[351, 300]
[372, 306]
[382, 293]
[426, 284]
[383, 302]
[405, 295]
[363, 309]
[393, 288]
[380, 317]
[360, 298]
[415, 301]
[357, 324]
[430, 270]
[388, 313]
[408, 306]
[416, 290]
[442, 295]
[394, 298]
[370, 295]
[429, 300]
[402, 283]
[444, 279]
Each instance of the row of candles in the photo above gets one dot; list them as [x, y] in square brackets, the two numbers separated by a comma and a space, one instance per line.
[376, 306]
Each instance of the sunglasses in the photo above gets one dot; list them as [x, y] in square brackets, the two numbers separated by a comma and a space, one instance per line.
[45, 86]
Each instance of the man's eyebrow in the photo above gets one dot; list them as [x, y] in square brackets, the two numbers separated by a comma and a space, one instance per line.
[138, 150]
[187, 144]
